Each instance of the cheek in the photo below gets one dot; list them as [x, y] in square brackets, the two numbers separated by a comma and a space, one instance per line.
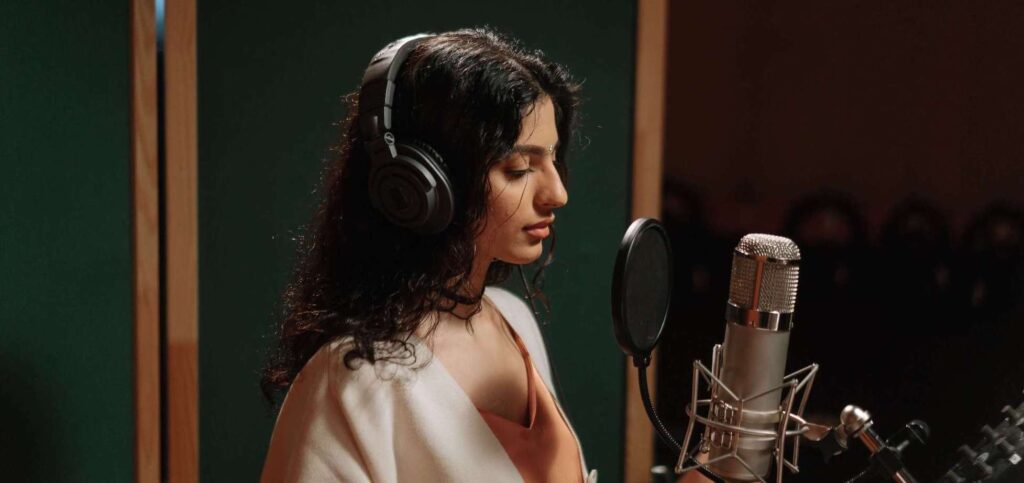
[505, 197]
[507, 205]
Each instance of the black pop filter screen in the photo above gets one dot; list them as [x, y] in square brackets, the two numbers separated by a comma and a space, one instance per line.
[641, 286]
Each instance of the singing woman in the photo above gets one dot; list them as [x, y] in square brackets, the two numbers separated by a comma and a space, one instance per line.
[400, 358]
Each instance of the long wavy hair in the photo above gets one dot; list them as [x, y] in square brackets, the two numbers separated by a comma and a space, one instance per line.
[465, 93]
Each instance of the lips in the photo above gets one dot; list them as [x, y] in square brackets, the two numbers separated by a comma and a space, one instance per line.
[539, 230]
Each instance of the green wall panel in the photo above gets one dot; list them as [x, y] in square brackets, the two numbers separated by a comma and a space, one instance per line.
[271, 76]
[65, 242]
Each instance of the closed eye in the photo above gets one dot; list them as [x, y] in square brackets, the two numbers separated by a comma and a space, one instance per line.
[518, 173]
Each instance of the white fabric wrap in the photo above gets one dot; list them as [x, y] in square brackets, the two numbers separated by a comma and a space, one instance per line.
[390, 422]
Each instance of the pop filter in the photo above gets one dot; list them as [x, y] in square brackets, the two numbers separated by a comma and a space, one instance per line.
[641, 286]
[641, 289]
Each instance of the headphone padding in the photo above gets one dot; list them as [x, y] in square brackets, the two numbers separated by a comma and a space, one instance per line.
[413, 190]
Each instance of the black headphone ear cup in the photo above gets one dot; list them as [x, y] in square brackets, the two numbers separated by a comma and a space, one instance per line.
[413, 190]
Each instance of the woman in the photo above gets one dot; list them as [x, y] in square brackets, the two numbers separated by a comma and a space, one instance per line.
[400, 363]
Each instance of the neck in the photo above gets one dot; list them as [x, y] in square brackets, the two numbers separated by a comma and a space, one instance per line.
[477, 278]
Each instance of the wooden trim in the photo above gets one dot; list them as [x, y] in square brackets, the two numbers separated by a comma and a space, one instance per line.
[182, 245]
[648, 142]
[145, 241]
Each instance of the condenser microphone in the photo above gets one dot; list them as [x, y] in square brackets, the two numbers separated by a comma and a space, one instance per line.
[759, 316]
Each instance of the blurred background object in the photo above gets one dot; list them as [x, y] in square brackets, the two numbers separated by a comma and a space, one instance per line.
[883, 139]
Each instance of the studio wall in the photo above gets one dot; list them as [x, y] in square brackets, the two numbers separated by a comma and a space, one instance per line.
[771, 101]
[65, 242]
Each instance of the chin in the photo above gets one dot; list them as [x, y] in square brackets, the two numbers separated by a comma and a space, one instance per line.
[524, 255]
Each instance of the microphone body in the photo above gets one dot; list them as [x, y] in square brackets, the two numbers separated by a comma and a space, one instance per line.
[753, 362]
[759, 315]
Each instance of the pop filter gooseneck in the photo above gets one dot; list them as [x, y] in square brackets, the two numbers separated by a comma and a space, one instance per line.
[641, 290]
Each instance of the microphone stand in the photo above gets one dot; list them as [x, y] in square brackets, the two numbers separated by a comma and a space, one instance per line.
[886, 455]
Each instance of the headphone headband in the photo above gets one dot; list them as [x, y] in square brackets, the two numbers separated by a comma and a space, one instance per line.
[408, 180]
[377, 94]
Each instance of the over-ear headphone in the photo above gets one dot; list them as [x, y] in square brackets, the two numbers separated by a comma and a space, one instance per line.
[409, 182]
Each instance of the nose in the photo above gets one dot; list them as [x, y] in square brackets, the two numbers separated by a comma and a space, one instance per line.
[551, 193]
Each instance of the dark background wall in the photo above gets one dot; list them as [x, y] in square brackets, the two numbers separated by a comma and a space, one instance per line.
[880, 100]
[271, 77]
[897, 127]
[65, 242]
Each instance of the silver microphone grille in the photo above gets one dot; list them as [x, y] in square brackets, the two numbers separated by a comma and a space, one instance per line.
[776, 290]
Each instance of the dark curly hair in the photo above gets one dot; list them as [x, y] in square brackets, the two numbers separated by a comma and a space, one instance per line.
[465, 93]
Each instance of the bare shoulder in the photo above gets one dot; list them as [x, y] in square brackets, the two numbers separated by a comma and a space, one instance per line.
[334, 368]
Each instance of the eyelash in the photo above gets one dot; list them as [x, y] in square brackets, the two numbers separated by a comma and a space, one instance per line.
[519, 173]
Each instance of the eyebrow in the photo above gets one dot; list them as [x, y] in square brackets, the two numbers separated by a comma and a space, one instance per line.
[532, 149]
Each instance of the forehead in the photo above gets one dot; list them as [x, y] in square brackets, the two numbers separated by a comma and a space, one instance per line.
[539, 126]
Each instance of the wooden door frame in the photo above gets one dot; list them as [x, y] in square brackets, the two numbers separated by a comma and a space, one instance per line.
[145, 179]
[182, 241]
[648, 166]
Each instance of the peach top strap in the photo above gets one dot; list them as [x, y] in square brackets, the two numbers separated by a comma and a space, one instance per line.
[544, 450]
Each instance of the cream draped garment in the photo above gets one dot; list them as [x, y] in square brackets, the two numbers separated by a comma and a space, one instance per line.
[393, 422]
